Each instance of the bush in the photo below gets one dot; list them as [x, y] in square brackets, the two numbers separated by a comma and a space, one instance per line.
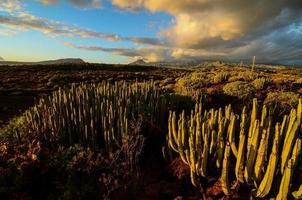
[281, 80]
[260, 83]
[283, 101]
[194, 80]
[61, 78]
[12, 129]
[247, 75]
[298, 82]
[239, 89]
[235, 78]
[221, 77]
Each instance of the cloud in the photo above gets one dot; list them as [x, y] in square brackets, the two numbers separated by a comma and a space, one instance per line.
[219, 29]
[222, 27]
[26, 21]
[6, 31]
[150, 54]
[78, 3]
[283, 45]
[200, 21]
[49, 2]
[10, 5]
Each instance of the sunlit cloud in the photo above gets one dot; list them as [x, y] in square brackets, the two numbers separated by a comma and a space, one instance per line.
[199, 29]
[150, 54]
[222, 27]
[26, 21]
[10, 5]
[7, 32]
[78, 3]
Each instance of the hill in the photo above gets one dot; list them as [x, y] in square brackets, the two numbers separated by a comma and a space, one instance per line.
[47, 62]
[138, 62]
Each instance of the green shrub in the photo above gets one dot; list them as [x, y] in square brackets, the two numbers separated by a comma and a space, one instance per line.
[12, 129]
[221, 77]
[299, 81]
[194, 80]
[235, 78]
[284, 101]
[247, 75]
[281, 80]
[260, 83]
[239, 89]
[58, 78]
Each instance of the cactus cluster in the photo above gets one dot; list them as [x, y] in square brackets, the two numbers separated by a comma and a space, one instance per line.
[96, 115]
[251, 142]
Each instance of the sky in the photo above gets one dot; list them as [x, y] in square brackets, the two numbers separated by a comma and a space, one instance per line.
[122, 31]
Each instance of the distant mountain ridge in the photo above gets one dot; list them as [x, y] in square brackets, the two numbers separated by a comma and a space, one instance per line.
[46, 62]
[195, 63]
[1, 59]
[138, 62]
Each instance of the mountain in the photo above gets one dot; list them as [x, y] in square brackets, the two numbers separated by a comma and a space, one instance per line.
[1, 59]
[138, 62]
[63, 61]
[47, 62]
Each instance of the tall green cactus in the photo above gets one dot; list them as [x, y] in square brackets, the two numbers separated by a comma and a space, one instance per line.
[212, 136]
[239, 168]
[266, 183]
[225, 185]
[252, 153]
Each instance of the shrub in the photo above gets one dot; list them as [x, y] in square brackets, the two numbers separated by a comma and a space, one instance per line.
[58, 78]
[12, 129]
[247, 75]
[281, 80]
[221, 77]
[298, 81]
[260, 83]
[183, 82]
[283, 101]
[194, 80]
[239, 89]
[235, 78]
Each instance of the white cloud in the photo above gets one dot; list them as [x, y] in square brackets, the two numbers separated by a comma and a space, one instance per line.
[223, 28]
[150, 54]
[10, 5]
[78, 3]
[26, 21]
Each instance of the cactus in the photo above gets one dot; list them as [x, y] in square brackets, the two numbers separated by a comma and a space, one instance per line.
[231, 135]
[287, 175]
[96, 115]
[266, 183]
[212, 135]
[288, 144]
[225, 185]
[285, 181]
[261, 155]
[252, 123]
[205, 153]
[239, 168]
[252, 153]
[298, 193]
